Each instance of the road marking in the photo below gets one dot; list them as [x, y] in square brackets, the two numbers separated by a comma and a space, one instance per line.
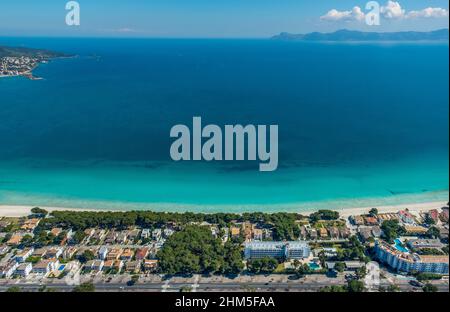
[195, 285]
[165, 286]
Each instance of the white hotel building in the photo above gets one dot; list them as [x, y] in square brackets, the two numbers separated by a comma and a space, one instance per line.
[284, 250]
[410, 262]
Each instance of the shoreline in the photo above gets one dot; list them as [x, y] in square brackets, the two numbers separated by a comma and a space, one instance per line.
[15, 211]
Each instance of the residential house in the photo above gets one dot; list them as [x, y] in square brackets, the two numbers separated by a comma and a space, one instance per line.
[103, 252]
[425, 243]
[444, 215]
[145, 233]
[46, 266]
[156, 234]
[14, 240]
[334, 232]
[168, 232]
[443, 234]
[357, 220]
[313, 234]
[111, 237]
[30, 224]
[115, 265]
[247, 228]
[114, 254]
[133, 234]
[258, 234]
[406, 217]
[24, 269]
[376, 231]
[99, 235]
[268, 234]
[133, 267]
[122, 238]
[344, 232]
[94, 265]
[56, 231]
[4, 224]
[235, 231]
[434, 215]
[4, 249]
[387, 216]
[415, 230]
[8, 269]
[69, 253]
[127, 254]
[23, 255]
[370, 221]
[323, 233]
[150, 265]
[354, 265]
[89, 232]
[141, 253]
[97, 265]
[365, 233]
[40, 252]
[303, 232]
[54, 252]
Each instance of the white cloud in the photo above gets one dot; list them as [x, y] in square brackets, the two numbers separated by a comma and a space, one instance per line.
[356, 14]
[429, 13]
[126, 30]
[392, 10]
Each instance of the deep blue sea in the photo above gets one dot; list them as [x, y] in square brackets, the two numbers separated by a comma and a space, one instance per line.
[359, 124]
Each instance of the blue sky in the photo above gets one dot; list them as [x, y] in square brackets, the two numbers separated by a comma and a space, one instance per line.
[213, 18]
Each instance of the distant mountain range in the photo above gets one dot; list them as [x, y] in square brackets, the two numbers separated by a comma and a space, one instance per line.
[349, 35]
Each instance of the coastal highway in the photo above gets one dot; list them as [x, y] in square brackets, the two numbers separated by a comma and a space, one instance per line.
[224, 287]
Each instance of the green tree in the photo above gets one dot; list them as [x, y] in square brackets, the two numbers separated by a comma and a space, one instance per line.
[87, 256]
[333, 288]
[339, 267]
[373, 212]
[392, 229]
[433, 232]
[195, 250]
[39, 211]
[85, 287]
[355, 286]
[393, 288]
[361, 272]
[429, 288]
[14, 289]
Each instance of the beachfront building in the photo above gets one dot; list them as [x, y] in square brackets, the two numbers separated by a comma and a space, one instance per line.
[406, 216]
[409, 262]
[24, 269]
[8, 269]
[425, 243]
[281, 250]
[46, 266]
[103, 252]
[23, 255]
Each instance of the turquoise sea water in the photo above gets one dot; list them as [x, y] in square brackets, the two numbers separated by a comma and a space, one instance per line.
[360, 124]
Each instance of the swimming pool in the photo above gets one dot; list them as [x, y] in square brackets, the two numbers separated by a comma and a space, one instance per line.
[399, 246]
[314, 266]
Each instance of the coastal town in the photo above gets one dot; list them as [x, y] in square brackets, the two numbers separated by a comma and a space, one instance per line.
[22, 61]
[19, 66]
[152, 251]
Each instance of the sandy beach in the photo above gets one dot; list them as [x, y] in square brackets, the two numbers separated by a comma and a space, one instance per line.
[415, 208]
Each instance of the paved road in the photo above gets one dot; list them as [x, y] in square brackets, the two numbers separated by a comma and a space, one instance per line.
[168, 286]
